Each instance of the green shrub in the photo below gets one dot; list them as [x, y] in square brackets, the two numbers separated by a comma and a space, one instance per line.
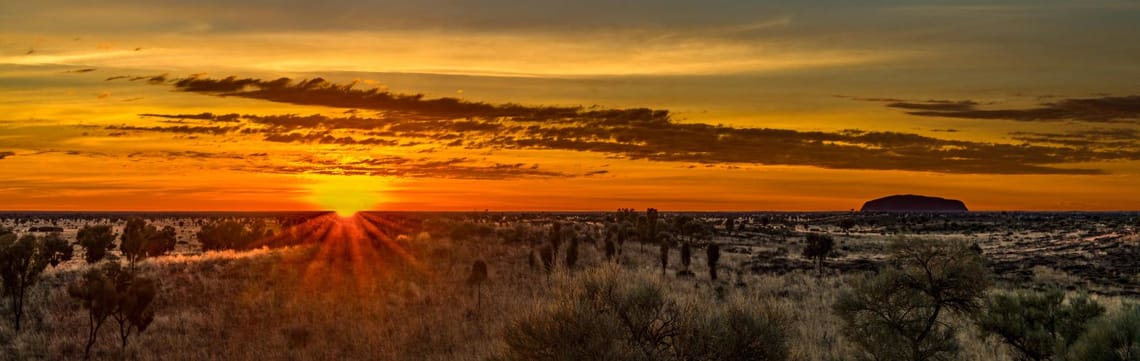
[610, 314]
[1112, 338]
[1038, 325]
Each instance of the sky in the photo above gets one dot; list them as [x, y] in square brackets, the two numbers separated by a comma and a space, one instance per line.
[444, 105]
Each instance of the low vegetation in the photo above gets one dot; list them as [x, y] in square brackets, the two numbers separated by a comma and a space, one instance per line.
[537, 287]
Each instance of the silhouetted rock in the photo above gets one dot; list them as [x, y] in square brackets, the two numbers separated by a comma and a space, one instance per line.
[913, 203]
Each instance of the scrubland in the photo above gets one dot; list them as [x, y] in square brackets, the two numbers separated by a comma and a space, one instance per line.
[341, 299]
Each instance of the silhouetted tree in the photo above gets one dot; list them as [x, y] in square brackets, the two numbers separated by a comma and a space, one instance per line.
[95, 241]
[611, 250]
[478, 276]
[140, 240]
[900, 314]
[22, 260]
[97, 293]
[547, 255]
[818, 247]
[846, 224]
[664, 256]
[572, 254]
[133, 300]
[556, 236]
[686, 259]
[730, 225]
[713, 254]
[651, 225]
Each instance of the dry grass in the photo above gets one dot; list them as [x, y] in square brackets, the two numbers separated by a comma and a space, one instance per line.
[293, 304]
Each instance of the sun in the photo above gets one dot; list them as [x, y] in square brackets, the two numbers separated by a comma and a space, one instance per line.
[346, 195]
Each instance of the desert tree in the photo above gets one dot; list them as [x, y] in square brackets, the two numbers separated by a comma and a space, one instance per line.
[686, 259]
[97, 294]
[546, 254]
[134, 296]
[1040, 326]
[572, 254]
[95, 241]
[818, 247]
[611, 250]
[901, 313]
[22, 260]
[847, 224]
[556, 236]
[140, 240]
[476, 279]
[712, 252]
[664, 246]
[651, 225]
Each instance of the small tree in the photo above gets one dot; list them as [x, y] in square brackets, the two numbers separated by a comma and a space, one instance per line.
[572, 254]
[133, 297]
[664, 256]
[95, 241]
[847, 224]
[22, 260]
[818, 247]
[1039, 325]
[686, 259]
[713, 254]
[140, 240]
[97, 294]
[900, 313]
[547, 256]
[611, 250]
[478, 276]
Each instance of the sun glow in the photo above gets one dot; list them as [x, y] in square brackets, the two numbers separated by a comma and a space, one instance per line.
[346, 195]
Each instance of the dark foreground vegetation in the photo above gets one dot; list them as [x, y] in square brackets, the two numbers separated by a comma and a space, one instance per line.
[627, 285]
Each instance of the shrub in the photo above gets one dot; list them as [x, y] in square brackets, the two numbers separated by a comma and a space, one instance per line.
[1113, 338]
[900, 314]
[611, 314]
[1038, 325]
[116, 293]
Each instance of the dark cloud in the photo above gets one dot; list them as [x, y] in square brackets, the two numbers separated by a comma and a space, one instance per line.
[640, 133]
[232, 117]
[1117, 138]
[6, 154]
[87, 70]
[181, 129]
[1103, 109]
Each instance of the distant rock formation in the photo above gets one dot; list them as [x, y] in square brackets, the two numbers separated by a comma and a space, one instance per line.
[913, 203]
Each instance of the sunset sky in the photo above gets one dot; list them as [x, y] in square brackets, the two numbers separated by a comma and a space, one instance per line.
[567, 105]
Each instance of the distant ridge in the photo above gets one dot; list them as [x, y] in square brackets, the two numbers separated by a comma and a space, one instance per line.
[913, 203]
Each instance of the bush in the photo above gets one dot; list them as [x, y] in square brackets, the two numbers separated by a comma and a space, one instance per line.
[610, 314]
[1038, 325]
[900, 314]
[1113, 338]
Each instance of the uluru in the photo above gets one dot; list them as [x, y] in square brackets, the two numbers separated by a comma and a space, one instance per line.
[913, 203]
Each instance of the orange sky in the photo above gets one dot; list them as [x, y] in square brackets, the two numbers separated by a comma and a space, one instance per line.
[757, 106]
